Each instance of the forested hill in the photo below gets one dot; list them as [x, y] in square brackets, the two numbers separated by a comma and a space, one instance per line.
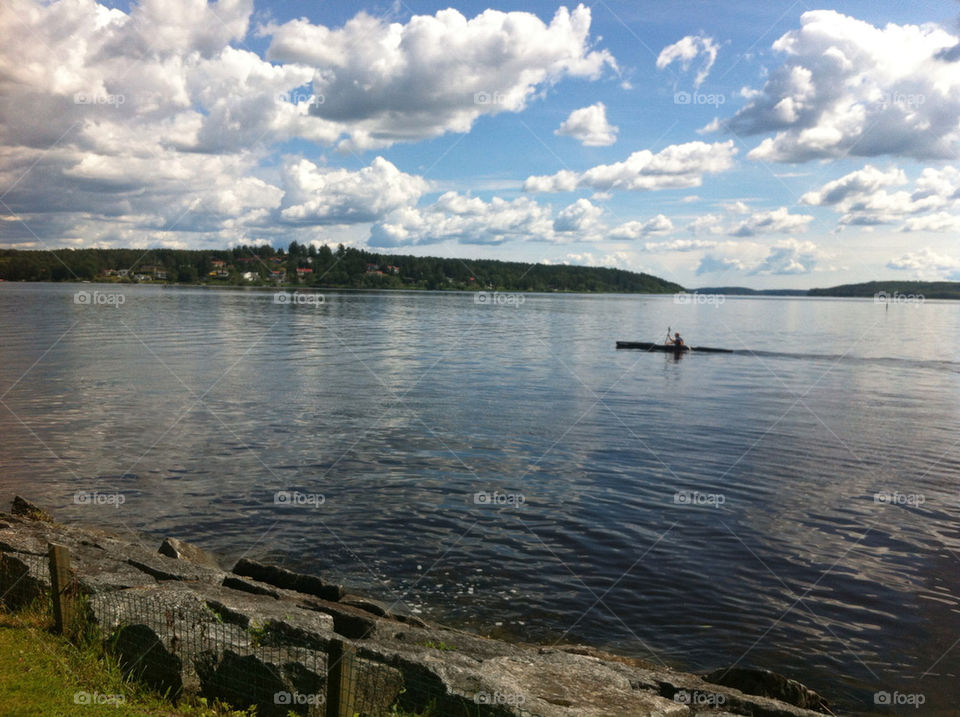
[893, 289]
[312, 266]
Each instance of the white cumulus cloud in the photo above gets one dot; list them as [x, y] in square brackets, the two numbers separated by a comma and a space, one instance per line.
[582, 216]
[659, 224]
[157, 123]
[688, 49]
[467, 220]
[937, 222]
[317, 195]
[740, 221]
[927, 264]
[866, 197]
[385, 82]
[679, 245]
[850, 88]
[614, 260]
[679, 165]
[589, 125]
[788, 256]
[855, 184]
[777, 221]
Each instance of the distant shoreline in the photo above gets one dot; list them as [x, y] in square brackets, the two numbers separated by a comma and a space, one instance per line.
[358, 289]
[881, 291]
[894, 292]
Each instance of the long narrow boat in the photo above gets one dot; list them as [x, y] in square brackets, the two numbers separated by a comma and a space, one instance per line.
[670, 348]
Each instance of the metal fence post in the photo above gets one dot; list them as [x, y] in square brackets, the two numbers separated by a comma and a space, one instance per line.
[60, 579]
[341, 679]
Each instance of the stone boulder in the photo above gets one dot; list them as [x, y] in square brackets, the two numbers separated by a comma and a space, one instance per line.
[768, 684]
[243, 680]
[143, 657]
[288, 580]
[181, 550]
[19, 587]
[25, 509]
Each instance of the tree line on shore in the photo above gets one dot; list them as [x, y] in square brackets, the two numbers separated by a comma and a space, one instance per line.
[894, 291]
[342, 267]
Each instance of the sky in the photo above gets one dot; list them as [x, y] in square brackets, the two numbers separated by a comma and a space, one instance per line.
[771, 145]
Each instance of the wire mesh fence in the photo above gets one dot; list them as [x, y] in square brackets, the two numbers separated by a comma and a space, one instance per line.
[24, 580]
[177, 642]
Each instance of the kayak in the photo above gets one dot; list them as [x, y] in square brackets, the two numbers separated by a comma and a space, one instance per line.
[670, 348]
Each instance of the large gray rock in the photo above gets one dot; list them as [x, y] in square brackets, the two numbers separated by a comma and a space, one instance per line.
[19, 586]
[101, 561]
[288, 580]
[768, 684]
[348, 621]
[374, 607]
[25, 509]
[181, 550]
[558, 683]
[244, 680]
[143, 657]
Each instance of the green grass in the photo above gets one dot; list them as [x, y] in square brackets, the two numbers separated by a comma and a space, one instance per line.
[439, 645]
[42, 674]
[258, 633]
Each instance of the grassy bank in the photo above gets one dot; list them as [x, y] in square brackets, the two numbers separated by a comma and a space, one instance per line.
[45, 675]
[42, 674]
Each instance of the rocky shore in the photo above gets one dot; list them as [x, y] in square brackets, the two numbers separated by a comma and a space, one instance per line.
[283, 625]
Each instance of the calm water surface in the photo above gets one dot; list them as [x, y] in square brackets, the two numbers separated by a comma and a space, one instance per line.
[199, 405]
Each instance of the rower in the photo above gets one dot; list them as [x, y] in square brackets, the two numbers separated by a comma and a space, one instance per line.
[677, 340]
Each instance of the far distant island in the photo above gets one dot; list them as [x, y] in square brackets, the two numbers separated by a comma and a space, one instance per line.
[893, 289]
[349, 268]
[882, 290]
[744, 291]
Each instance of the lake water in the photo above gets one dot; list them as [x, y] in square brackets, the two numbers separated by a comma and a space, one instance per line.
[197, 406]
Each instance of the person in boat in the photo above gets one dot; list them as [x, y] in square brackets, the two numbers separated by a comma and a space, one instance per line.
[677, 340]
